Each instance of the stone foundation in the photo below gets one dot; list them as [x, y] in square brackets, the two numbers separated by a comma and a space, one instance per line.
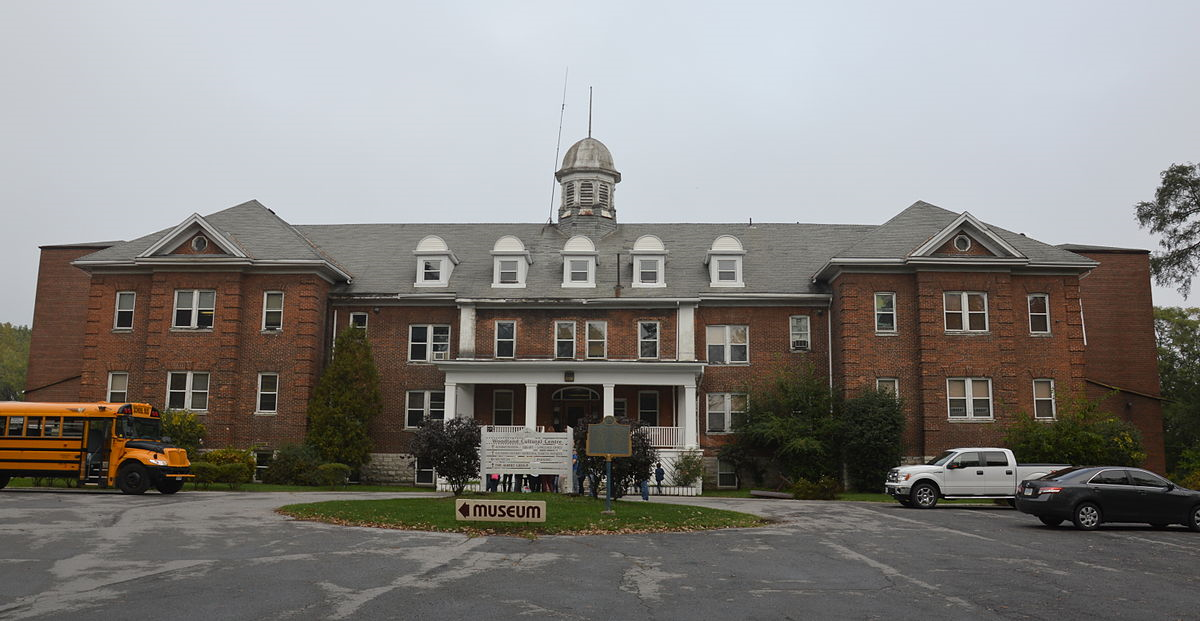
[390, 469]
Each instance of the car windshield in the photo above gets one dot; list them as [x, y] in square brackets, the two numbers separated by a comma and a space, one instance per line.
[943, 459]
[140, 428]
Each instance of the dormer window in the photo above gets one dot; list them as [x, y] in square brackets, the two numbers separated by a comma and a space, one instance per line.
[510, 262]
[435, 261]
[579, 262]
[649, 261]
[725, 262]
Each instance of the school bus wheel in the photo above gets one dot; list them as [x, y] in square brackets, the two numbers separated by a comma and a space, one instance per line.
[132, 478]
[169, 486]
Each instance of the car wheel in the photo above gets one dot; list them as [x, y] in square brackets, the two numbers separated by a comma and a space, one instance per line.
[924, 496]
[169, 486]
[133, 479]
[1087, 516]
[1049, 521]
[1194, 519]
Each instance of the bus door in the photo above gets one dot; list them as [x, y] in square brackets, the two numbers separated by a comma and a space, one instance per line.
[95, 457]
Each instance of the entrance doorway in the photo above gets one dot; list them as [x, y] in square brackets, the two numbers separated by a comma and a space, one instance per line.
[577, 405]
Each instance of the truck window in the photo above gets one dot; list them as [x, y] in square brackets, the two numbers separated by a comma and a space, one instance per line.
[995, 458]
[968, 460]
[941, 460]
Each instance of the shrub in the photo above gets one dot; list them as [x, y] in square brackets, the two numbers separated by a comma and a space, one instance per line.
[451, 447]
[1192, 481]
[185, 430]
[627, 472]
[331, 475]
[689, 468]
[825, 488]
[205, 474]
[234, 474]
[1083, 435]
[872, 424]
[293, 464]
[230, 456]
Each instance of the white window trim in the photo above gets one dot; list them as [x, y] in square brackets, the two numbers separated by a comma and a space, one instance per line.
[893, 312]
[657, 340]
[427, 400]
[965, 314]
[728, 411]
[574, 341]
[108, 394]
[587, 340]
[132, 311]
[1051, 399]
[267, 296]
[970, 397]
[496, 338]
[660, 280]
[522, 271]
[429, 353]
[1029, 306]
[195, 309]
[260, 392]
[657, 404]
[807, 332]
[512, 406]
[895, 383]
[366, 319]
[189, 391]
[444, 264]
[591, 271]
[714, 261]
[727, 344]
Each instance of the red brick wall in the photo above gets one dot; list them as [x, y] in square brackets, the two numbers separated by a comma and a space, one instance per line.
[535, 331]
[1121, 348]
[59, 316]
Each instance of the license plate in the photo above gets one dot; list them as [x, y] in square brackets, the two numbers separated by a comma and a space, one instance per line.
[1028, 491]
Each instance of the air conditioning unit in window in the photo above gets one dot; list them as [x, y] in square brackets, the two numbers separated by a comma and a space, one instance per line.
[439, 355]
[799, 344]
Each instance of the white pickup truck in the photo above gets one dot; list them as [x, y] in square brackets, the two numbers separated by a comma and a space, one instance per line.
[963, 473]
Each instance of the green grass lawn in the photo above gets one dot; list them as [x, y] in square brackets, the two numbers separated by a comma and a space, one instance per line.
[565, 515]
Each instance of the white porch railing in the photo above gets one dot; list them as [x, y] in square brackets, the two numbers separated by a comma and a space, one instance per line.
[538, 429]
[665, 437]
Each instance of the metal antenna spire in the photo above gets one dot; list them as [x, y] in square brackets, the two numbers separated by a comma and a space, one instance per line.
[558, 144]
[589, 112]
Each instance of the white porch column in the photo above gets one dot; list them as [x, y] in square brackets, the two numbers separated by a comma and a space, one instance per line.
[610, 400]
[691, 429]
[466, 331]
[451, 400]
[530, 406]
[465, 400]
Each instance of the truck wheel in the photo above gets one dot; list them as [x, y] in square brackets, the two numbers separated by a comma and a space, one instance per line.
[1049, 521]
[133, 479]
[1087, 516]
[169, 486]
[4, 478]
[924, 495]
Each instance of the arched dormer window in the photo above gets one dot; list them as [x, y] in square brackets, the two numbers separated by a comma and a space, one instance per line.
[579, 262]
[725, 262]
[435, 261]
[649, 262]
[510, 262]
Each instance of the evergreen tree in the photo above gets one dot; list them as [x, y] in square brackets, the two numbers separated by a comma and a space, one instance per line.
[871, 439]
[1175, 214]
[14, 356]
[347, 398]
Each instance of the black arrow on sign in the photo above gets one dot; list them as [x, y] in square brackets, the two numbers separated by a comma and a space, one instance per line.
[465, 510]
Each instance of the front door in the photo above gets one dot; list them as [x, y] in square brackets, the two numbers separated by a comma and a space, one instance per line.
[577, 414]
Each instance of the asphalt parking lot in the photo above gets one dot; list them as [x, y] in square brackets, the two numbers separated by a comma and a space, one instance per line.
[213, 555]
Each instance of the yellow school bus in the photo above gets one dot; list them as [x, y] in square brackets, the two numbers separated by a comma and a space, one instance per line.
[101, 444]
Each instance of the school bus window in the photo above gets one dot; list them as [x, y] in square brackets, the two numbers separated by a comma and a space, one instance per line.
[33, 428]
[15, 423]
[51, 427]
[73, 428]
[139, 428]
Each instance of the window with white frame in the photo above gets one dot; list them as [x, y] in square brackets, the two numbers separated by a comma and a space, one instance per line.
[726, 474]
[597, 339]
[428, 343]
[966, 311]
[510, 262]
[890, 385]
[423, 404]
[1043, 399]
[506, 339]
[194, 308]
[647, 339]
[268, 393]
[799, 333]
[435, 261]
[272, 311]
[1039, 313]
[123, 315]
[358, 320]
[187, 390]
[722, 408]
[725, 262]
[118, 387]
[728, 344]
[969, 398]
[885, 311]
[507, 272]
[431, 271]
[564, 339]
[648, 407]
[649, 257]
[579, 262]
[502, 407]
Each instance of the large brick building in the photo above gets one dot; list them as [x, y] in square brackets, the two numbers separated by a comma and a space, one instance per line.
[233, 315]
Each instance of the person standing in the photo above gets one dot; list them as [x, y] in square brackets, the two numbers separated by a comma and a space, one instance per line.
[645, 489]
[659, 475]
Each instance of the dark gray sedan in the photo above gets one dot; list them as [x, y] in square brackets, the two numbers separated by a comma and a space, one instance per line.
[1094, 495]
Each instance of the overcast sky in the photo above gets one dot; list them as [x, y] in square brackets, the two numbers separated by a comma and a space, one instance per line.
[118, 119]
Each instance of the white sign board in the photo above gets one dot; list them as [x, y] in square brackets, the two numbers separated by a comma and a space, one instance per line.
[471, 510]
[525, 452]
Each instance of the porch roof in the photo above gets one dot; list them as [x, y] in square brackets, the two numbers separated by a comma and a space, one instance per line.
[584, 372]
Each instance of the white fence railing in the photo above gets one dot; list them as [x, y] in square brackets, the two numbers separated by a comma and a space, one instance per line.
[665, 437]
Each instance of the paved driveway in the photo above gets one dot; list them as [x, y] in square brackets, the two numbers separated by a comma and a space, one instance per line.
[90, 555]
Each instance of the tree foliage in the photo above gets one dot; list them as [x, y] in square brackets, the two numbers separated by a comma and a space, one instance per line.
[1083, 435]
[872, 424]
[293, 464]
[451, 447]
[627, 472]
[1178, 334]
[790, 428]
[14, 358]
[345, 401]
[1175, 215]
[185, 430]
